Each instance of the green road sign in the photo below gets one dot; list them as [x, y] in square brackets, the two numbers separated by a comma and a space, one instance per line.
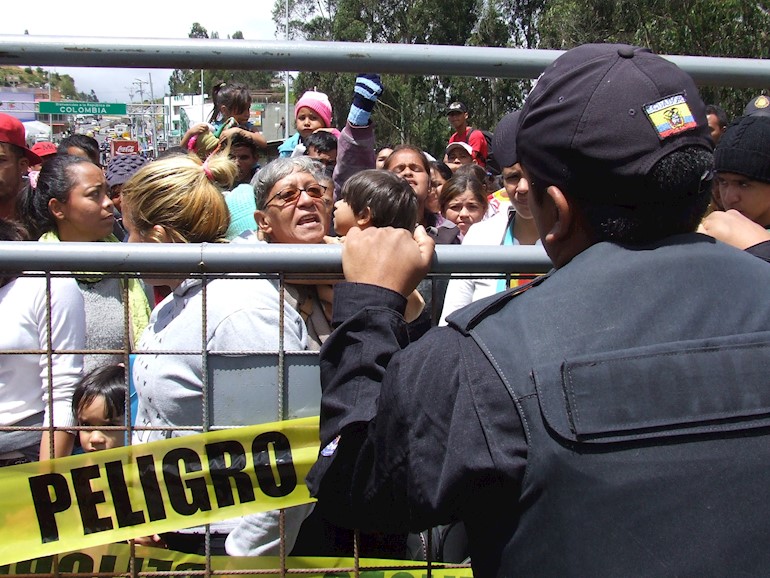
[67, 107]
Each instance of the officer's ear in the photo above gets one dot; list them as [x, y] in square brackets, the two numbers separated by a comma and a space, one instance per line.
[566, 232]
[561, 215]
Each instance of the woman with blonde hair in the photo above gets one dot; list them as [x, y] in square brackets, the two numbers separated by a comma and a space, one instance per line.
[179, 199]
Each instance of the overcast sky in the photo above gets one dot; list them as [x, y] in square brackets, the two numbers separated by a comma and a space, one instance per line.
[138, 18]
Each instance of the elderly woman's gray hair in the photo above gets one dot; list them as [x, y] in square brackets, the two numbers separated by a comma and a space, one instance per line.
[265, 179]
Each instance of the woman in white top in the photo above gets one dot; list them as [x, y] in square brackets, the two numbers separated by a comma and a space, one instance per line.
[25, 396]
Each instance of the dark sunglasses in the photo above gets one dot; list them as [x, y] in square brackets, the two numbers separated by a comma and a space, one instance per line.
[291, 194]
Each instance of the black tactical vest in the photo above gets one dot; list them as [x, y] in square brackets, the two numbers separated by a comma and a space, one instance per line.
[642, 380]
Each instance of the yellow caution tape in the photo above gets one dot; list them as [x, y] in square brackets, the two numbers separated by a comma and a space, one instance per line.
[116, 558]
[110, 496]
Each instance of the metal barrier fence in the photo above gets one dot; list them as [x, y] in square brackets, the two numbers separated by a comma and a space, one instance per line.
[280, 263]
[239, 387]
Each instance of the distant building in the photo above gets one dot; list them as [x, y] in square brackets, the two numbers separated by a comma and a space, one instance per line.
[18, 102]
[195, 110]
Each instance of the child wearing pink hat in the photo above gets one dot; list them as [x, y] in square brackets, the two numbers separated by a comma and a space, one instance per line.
[313, 111]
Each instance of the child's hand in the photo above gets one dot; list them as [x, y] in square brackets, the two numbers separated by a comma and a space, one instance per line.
[193, 133]
[230, 132]
[199, 128]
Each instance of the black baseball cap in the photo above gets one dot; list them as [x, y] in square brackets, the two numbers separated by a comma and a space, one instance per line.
[602, 115]
[456, 107]
[504, 139]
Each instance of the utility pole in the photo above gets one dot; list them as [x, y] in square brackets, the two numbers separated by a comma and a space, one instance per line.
[154, 132]
[140, 83]
[50, 116]
[286, 81]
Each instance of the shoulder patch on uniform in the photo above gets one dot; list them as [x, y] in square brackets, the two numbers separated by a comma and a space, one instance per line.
[670, 116]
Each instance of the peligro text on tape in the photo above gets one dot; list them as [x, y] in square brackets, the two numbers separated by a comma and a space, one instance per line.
[187, 493]
[108, 496]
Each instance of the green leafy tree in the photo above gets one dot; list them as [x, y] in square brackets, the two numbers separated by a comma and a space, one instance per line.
[733, 28]
[412, 107]
[183, 81]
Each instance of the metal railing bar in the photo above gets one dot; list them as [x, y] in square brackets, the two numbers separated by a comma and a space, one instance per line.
[245, 258]
[90, 51]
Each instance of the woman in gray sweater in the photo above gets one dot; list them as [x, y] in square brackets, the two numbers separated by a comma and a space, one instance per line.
[179, 199]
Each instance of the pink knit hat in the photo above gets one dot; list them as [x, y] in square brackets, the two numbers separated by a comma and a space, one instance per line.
[317, 102]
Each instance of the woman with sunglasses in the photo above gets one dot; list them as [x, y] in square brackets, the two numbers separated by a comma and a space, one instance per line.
[178, 199]
[293, 206]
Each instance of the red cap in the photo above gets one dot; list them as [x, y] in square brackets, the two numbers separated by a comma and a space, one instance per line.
[12, 132]
[44, 148]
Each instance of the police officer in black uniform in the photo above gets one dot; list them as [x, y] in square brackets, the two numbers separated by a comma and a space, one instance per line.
[610, 419]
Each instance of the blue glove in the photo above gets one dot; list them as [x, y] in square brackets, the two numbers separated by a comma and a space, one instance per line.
[368, 88]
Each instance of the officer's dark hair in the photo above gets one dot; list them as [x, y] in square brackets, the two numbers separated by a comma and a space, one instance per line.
[676, 193]
[322, 141]
[390, 199]
[54, 182]
[108, 382]
[83, 142]
[719, 112]
[238, 140]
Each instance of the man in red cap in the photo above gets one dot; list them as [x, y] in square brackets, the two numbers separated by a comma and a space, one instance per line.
[15, 159]
[46, 150]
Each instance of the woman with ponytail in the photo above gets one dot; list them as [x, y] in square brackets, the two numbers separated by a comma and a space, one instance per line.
[179, 199]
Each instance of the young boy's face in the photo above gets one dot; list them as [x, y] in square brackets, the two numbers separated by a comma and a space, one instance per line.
[457, 157]
[94, 415]
[344, 218]
[245, 159]
[749, 197]
[308, 121]
[327, 159]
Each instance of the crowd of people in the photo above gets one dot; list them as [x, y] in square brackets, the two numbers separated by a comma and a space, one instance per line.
[559, 426]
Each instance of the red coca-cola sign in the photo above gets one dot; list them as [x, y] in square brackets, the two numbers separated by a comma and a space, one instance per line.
[124, 147]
